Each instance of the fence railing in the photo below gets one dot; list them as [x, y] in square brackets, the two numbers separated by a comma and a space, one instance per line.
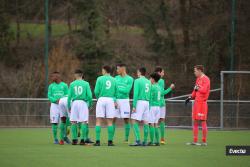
[34, 112]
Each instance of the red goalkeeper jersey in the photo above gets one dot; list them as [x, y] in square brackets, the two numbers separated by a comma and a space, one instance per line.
[200, 97]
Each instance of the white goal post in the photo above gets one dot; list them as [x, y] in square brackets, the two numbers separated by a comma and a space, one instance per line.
[222, 101]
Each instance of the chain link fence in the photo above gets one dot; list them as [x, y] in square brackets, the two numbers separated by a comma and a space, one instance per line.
[25, 112]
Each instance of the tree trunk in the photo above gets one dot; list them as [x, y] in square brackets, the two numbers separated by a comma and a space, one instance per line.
[17, 23]
[69, 16]
[184, 19]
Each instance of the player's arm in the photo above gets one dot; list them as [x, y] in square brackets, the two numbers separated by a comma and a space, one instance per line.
[168, 90]
[116, 91]
[70, 96]
[151, 95]
[192, 96]
[89, 96]
[97, 88]
[136, 91]
[66, 89]
[50, 97]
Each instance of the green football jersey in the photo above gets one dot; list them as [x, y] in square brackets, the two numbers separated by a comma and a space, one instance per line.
[57, 91]
[80, 90]
[155, 95]
[141, 90]
[161, 83]
[105, 87]
[124, 85]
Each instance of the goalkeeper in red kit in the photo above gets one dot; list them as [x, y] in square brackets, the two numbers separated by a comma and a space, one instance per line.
[200, 95]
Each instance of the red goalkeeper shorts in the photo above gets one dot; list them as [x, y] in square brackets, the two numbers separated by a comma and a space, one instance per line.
[200, 109]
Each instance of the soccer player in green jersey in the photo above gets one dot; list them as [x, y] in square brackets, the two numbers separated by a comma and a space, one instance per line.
[105, 91]
[79, 99]
[124, 85]
[164, 91]
[140, 110]
[57, 89]
[154, 112]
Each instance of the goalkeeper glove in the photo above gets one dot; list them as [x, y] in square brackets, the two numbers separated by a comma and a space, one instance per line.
[188, 100]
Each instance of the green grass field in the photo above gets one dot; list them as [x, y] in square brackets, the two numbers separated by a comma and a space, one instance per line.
[33, 147]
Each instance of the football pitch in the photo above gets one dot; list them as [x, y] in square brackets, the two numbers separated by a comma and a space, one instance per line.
[33, 147]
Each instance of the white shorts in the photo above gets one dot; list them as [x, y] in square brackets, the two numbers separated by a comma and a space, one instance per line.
[123, 110]
[141, 111]
[154, 115]
[63, 105]
[105, 107]
[54, 113]
[79, 111]
[163, 112]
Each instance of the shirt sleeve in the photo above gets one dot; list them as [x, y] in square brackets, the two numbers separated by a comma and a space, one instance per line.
[66, 89]
[50, 96]
[69, 96]
[135, 96]
[167, 91]
[89, 96]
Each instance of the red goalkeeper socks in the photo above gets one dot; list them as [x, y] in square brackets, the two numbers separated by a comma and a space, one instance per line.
[195, 131]
[204, 131]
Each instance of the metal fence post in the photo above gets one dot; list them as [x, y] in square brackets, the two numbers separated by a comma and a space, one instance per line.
[221, 100]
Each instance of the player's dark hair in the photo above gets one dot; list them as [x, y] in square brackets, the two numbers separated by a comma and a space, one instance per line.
[155, 76]
[199, 67]
[158, 69]
[121, 65]
[55, 72]
[78, 71]
[107, 68]
[142, 71]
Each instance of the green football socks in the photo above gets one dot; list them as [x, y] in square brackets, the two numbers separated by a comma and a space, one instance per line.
[83, 131]
[136, 131]
[98, 133]
[110, 132]
[162, 129]
[62, 130]
[114, 127]
[152, 133]
[74, 131]
[127, 129]
[87, 131]
[54, 131]
[157, 135]
[145, 130]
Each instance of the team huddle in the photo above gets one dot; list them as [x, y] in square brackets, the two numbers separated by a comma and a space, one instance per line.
[70, 106]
